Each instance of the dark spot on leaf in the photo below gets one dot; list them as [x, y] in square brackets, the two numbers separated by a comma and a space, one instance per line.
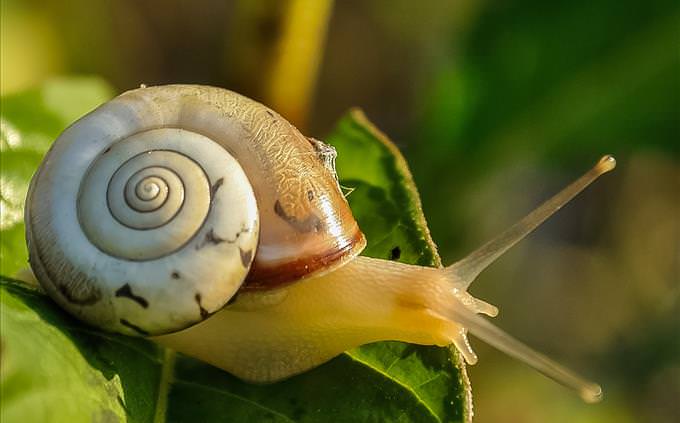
[107, 150]
[270, 113]
[134, 327]
[395, 253]
[126, 292]
[175, 275]
[203, 311]
[246, 257]
[310, 195]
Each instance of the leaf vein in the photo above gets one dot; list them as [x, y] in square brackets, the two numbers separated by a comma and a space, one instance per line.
[231, 394]
[396, 360]
[432, 379]
[398, 382]
[166, 379]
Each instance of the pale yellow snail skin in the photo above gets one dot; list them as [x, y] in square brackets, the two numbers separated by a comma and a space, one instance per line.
[283, 332]
[268, 284]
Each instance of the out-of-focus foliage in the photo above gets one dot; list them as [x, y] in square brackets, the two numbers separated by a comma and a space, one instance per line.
[29, 122]
[495, 105]
[558, 84]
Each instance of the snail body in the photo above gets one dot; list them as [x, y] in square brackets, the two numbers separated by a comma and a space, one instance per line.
[149, 215]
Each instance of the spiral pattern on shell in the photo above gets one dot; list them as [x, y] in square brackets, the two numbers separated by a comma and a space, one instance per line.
[147, 235]
[156, 199]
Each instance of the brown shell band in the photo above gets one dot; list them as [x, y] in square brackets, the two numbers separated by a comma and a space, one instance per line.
[271, 277]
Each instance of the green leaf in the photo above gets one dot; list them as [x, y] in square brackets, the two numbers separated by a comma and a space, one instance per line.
[385, 202]
[57, 369]
[29, 122]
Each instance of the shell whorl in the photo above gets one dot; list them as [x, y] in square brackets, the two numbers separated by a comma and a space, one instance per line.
[157, 196]
[149, 213]
[148, 235]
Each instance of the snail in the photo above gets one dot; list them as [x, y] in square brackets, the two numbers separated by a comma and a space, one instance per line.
[204, 220]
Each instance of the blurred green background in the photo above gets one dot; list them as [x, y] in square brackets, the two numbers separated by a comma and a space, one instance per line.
[496, 105]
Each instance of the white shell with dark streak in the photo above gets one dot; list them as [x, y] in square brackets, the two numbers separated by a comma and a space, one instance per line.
[114, 253]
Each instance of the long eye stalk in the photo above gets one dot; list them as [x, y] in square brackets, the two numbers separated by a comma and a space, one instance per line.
[471, 266]
[466, 270]
[589, 391]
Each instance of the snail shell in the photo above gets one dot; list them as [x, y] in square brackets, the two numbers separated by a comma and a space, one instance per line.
[151, 212]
